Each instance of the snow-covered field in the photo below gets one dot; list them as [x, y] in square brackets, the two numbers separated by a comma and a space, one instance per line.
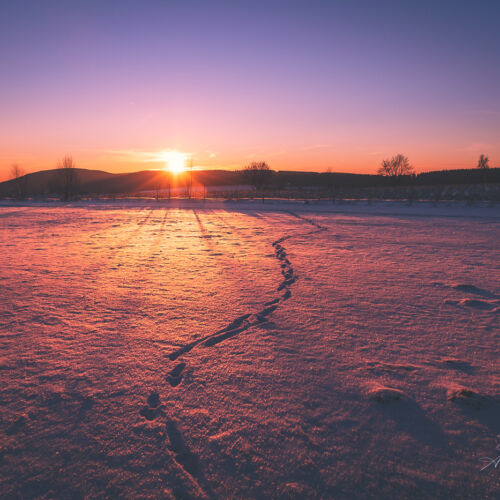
[197, 350]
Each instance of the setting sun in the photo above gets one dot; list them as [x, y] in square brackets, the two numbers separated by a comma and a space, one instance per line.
[174, 161]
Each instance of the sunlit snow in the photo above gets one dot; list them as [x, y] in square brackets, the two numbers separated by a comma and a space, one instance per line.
[248, 350]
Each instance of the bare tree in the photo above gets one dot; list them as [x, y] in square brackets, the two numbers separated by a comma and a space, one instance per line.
[157, 189]
[17, 174]
[483, 162]
[258, 174]
[169, 186]
[396, 166]
[189, 179]
[16, 171]
[68, 178]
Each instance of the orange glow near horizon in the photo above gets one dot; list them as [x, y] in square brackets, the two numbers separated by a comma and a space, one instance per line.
[295, 157]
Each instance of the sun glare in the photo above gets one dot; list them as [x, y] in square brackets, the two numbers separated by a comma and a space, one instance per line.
[174, 161]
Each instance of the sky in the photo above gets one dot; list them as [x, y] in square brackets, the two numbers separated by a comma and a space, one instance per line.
[302, 85]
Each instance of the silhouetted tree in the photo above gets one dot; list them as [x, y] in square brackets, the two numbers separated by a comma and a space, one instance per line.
[189, 179]
[483, 162]
[169, 186]
[258, 174]
[17, 174]
[396, 166]
[330, 183]
[68, 177]
[157, 185]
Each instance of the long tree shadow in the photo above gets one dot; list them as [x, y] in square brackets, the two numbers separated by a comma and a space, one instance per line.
[486, 411]
[187, 459]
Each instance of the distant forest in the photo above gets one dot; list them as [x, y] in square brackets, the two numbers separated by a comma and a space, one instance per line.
[341, 180]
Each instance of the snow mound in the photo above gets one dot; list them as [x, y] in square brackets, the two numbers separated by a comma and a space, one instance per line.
[477, 304]
[382, 393]
[375, 366]
[463, 395]
[473, 289]
[458, 364]
[483, 305]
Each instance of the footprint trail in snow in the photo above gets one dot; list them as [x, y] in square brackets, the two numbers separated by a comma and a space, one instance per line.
[187, 460]
[249, 320]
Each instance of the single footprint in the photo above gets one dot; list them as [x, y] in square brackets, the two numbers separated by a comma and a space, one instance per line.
[236, 323]
[153, 408]
[272, 302]
[267, 311]
[174, 377]
[154, 399]
[286, 283]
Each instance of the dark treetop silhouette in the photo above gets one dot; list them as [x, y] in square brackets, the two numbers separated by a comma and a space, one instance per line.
[395, 166]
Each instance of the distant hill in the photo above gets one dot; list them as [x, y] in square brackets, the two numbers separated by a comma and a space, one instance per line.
[47, 182]
[148, 180]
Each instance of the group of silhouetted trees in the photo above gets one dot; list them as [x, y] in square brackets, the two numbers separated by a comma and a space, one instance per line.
[483, 162]
[20, 183]
[65, 183]
[68, 179]
[400, 165]
[258, 174]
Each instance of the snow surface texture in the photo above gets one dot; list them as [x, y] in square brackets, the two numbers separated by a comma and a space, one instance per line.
[248, 350]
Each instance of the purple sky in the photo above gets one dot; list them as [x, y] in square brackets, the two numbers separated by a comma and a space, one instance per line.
[304, 85]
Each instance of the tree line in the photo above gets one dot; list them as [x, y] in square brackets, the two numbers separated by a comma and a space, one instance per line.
[259, 174]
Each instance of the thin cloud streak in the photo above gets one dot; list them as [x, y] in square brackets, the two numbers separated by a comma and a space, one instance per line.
[146, 156]
[318, 146]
